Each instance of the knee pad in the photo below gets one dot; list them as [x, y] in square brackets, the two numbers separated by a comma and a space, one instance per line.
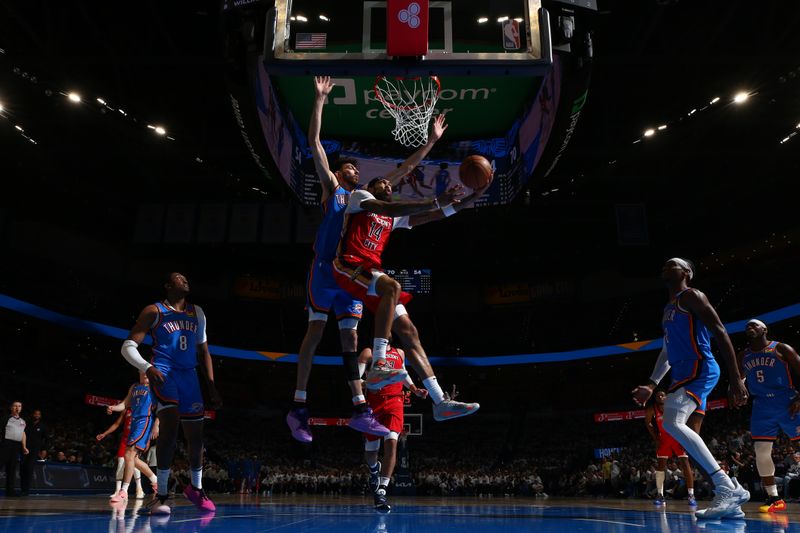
[350, 363]
[764, 463]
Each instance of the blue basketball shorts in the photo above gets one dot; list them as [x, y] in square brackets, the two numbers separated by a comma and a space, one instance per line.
[141, 428]
[181, 388]
[324, 294]
[771, 415]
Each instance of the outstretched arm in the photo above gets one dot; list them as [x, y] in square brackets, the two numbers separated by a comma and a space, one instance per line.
[112, 428]
[696, 302]
[121, 406]
[445, 211]
[416, 158]
[402, 208]
[322, 87]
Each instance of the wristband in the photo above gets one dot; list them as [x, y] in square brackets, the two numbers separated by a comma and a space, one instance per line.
[448, 210]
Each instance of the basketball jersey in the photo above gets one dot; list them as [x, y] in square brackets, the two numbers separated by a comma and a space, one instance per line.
[176, 335]
[768, 376]
[687, 341]
[393, 360]
[660, 421]
[365, 234]
[141, 400]
[330, 230]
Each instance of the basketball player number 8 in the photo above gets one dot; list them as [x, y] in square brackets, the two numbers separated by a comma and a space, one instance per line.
[182, 342]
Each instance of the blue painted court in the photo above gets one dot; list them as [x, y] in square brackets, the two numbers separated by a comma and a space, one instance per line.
[335, 515]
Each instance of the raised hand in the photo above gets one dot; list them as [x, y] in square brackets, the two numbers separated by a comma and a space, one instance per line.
[323, 85]
[451, 195]
[438, 128]
[641, 394]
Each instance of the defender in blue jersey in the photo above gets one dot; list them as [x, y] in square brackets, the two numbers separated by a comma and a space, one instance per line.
[323, 293]
[144, 427]
[688, 321]
[177, 329]
[768, 367]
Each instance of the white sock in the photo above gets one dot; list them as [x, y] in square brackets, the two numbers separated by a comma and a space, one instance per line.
[677, 409]
[358, 399]
[163, 481]
[379, 349]
[300, 396]
[660, 482]
[125, 487]
[434, 390]
[690, 491]
[197, 478]
[153, 478]
[772, 490]
[384, 481]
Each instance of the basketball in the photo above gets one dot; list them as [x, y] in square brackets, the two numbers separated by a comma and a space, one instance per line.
[475, 171]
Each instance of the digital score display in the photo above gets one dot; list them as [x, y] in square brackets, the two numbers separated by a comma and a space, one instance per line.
[415, 281]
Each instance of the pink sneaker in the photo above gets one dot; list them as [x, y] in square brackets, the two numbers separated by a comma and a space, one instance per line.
[121, 496]
[199, 498]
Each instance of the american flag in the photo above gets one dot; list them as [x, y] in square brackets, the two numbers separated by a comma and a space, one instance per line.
[311, 40]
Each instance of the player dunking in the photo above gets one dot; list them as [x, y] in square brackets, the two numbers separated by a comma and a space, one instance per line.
[687, 319]
[323, 293]
[370, 218]
[178, 330]
[666, 448]
[139, 402]
[768, 366]
[387, 403]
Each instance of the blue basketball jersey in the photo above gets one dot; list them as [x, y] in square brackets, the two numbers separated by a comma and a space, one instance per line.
[768, 376]
[687, 340]
[175, 336]
[141, 400]
[330, 230]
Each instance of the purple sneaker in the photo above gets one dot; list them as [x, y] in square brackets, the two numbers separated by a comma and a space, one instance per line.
[365, 423]
[199, 498]
[298, 424]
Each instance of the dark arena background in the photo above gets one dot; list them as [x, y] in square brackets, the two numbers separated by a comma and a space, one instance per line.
[142, 139]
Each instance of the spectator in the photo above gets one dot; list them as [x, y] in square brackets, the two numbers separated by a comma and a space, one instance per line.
[36, 440]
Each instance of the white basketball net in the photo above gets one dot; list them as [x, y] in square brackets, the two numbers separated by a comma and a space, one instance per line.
[411, 102]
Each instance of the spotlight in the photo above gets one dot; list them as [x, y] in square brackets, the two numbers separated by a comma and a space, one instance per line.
[649, 132]
[101, 101]
[483, 20]
[74, 97]
[740, 97]
[714, 100]
[301, 18]
[502, 19]
[662, 127]
[692, 112]
[18, 127]
[1, 108]
[519, 19]
[160, 130]
[324, 18]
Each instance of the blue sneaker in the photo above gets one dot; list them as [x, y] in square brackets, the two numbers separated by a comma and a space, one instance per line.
[297, 420]
[659, 501]
[691, 501]
[374, 481]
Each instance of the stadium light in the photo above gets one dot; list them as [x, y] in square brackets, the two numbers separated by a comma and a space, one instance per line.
[740, 97]
[160, 130]
[502, 19]
[519, 19]
[714, 100]
[324, 18]
[662, 127]
[301, 18]
[649, 132]
[101, 101]
[74, 97]
[1, 108]
[483, 20]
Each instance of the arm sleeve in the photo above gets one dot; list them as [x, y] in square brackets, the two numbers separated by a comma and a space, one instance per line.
[361, 368]
[354, 204]
[132, 355]
[201, 325]
[661, 368]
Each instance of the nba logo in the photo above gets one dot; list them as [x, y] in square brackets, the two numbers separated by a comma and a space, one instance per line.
[511, 39]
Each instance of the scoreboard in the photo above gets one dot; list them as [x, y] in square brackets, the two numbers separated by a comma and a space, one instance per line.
[415, 281]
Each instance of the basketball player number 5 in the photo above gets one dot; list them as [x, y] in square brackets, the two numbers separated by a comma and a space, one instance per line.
[760, 376]
[182, 342]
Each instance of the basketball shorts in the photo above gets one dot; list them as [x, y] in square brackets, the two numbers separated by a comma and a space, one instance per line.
[123, 443]
[669, 447]
[141, 427]
[181, 388]
[324, 294]
[701, 385]
[771, 415]
[388, 410]
[360, 283]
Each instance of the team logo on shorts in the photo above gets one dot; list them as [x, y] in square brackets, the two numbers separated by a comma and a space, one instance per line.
[358, 308]
[197, 407]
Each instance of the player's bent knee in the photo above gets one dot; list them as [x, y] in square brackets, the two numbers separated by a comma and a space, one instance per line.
[348, 325]
[316, 316]
[393, 435]
[372, 445]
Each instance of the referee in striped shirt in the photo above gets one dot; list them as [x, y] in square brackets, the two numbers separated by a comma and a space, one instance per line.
[12, 431]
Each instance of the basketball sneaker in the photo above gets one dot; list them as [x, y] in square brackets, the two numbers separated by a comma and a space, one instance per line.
[157, 506]
[381, 503]
[297, 419]
[448, 409]
[726, 503]
[374, 480]
[773, 505]
[121, 496]
[691, 502]
[659, 501]
[365, 422]
[381, 375]
[198, 498]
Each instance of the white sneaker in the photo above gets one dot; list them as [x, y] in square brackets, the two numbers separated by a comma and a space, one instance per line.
[448, 409]
[380, 375]
[726, 503]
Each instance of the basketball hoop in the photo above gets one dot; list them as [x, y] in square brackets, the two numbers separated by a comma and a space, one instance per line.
[410, 101]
